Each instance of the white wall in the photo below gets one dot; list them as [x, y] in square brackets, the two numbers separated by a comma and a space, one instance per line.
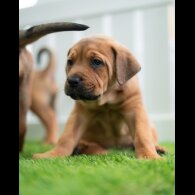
[146, 27]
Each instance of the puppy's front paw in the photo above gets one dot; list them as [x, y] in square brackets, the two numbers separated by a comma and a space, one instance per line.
[51, 154]
[42, 155]
[148, 155]
[152, 157]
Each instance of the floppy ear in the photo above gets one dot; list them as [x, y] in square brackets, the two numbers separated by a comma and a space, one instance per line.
[126, 64]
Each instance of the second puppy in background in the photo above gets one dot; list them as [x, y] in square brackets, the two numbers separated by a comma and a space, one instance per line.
[44, 90]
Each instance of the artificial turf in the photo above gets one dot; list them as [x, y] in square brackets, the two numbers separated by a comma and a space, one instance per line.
[118, 173]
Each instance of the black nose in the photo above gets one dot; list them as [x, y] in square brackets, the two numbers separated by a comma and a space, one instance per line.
[73, 81]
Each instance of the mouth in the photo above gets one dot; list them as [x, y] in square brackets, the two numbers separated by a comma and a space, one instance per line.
[80, 94]
[84, 97]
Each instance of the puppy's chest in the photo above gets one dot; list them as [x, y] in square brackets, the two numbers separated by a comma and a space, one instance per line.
[107, 122]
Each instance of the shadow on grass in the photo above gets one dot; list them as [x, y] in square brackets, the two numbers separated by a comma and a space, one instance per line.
[32, 147]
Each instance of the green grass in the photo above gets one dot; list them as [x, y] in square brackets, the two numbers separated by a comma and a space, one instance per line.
[118, 173]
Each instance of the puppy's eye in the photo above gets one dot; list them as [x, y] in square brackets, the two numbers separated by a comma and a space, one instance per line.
[96, 62]
[69, 62]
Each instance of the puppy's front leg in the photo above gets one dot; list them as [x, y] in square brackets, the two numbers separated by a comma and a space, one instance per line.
[141, 132]
[72, 133]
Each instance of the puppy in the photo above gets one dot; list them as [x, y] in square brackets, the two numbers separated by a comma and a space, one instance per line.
[26, 66]
[44, 90]
[109, 110]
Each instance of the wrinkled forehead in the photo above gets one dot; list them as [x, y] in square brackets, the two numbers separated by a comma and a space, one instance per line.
[89, 46]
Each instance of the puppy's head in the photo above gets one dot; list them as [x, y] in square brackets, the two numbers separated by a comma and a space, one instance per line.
[94, 64]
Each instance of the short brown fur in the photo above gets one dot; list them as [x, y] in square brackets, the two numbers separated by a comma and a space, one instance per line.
[109, 110]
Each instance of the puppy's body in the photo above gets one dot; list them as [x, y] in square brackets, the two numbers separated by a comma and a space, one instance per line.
[106, 124]
[37, 91]
[109, 110]
[44, 91]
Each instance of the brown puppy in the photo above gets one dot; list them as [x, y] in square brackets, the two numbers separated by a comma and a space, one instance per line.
[26, 63]
[109, 110]
[44, 90]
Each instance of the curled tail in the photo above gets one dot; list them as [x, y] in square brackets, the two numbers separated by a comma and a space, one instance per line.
[50, 68]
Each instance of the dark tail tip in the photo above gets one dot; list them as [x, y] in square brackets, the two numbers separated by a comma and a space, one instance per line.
[82, 27]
